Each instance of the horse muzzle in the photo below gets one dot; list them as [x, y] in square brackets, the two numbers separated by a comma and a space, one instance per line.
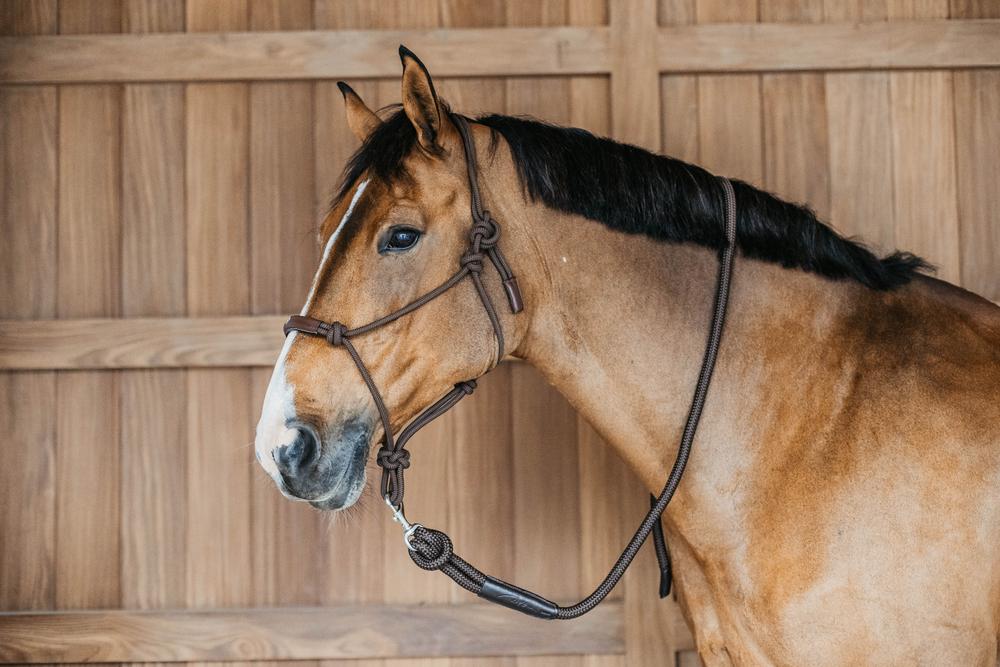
[327, 472]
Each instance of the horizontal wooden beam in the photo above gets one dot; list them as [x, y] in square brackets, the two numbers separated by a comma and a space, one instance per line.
[754, 47]
[139, 342]
[566, 50]
[300, 54]
[341, 632]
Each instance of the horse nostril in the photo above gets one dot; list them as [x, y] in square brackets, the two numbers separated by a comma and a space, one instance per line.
[296, 458]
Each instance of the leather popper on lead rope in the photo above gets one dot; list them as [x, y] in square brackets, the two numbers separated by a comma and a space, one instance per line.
[432, 549]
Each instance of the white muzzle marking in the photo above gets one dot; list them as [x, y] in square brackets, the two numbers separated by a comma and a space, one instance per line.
[279, 400]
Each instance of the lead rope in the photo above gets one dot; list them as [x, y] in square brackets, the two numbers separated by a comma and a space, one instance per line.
[432, 549]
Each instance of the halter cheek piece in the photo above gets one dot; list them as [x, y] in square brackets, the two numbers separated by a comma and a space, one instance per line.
[432, 549]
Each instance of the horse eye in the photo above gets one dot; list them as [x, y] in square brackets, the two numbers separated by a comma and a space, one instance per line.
[401, 238]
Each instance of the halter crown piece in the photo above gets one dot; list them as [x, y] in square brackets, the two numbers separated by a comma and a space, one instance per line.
[432, 549]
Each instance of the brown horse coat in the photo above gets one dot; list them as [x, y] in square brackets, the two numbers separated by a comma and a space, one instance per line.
[842, 504]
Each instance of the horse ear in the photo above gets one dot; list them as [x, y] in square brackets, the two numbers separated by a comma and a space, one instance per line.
[360, 118]
[421, 104]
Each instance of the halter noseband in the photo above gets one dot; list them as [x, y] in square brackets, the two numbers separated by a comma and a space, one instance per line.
[484, 236]
[432, 549]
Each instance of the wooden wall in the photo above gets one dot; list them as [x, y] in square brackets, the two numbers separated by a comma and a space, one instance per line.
[159, 195]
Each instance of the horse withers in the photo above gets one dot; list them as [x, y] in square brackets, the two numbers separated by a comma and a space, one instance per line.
[842, 504]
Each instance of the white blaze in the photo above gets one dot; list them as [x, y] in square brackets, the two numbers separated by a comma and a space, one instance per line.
[279, 401]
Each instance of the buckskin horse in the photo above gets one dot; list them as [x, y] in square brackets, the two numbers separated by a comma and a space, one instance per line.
[842, 502]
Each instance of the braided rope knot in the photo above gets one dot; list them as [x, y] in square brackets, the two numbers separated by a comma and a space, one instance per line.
[473, 261]
[486, 231]
[468, 386]
[335, 335]
[430, 549]
[393, 459]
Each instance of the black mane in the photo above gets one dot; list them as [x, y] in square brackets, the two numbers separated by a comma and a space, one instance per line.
[637, 192]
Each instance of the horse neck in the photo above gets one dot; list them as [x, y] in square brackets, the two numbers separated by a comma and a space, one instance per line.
[619, 325]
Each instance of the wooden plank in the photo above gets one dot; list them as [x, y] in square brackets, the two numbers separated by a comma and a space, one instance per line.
[679, 116]
[153, 235]
[796, 154]
[796, 162]
[977, 133]
[984, 9]
[146, 16]
[977, 109]
[29, 17]
[729, 133]
[925, 188]
[761, 47]
[860, 127]
[153, 402]
[977, 124]
[88, 452]
[294, 55]
[28, 195]
[289, 55]
[635, 99]
[347, 631]
[219, 414]
[140, 342]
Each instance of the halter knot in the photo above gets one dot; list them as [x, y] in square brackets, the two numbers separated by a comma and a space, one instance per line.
[473, 261]
[468, 386]
[430, 549]
[485, 230]
[335, 335]
[393, 459]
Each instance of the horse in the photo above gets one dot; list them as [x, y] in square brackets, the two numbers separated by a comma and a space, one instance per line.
[842, 504]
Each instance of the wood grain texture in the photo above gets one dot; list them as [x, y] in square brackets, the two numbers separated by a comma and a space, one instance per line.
[219, 414]
[27, 492]
[859, 123]
[924, 182]
[977, 125]
[749, 47]
[300, 55]
[29, 17]
[28, 211]
[977, 130]
[635, 99]
[346, 631]
[730, 137]
[138, 342]
[153, 402]
[290, 55]
[796, 152]
[153, 230]
[88, 451]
